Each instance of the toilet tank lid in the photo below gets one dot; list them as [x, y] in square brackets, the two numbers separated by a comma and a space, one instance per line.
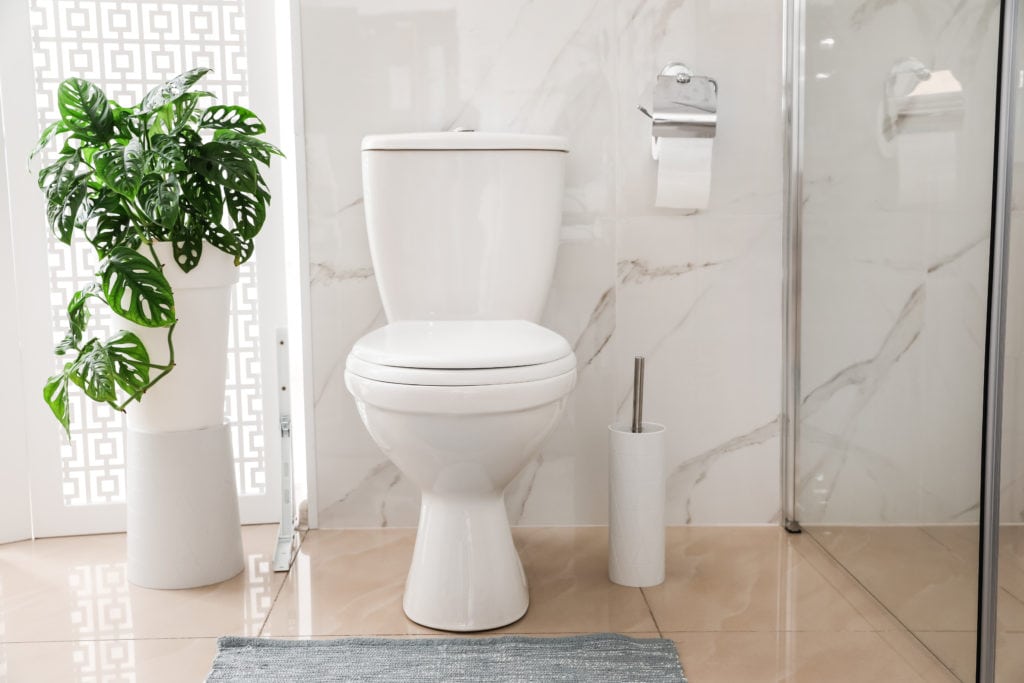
[459, 140]
[461, 344]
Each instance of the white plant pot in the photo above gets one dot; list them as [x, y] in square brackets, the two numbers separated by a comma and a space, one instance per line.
[192, 395]
[183, 527]
[636, 525]
[183, 524]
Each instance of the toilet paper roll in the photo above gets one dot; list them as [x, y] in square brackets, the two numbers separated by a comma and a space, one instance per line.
[684, 172]
[927, 167]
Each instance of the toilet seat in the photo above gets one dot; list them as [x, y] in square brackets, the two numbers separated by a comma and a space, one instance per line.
[441, 353]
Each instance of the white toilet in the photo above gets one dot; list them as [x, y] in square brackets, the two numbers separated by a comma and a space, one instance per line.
[462, 386]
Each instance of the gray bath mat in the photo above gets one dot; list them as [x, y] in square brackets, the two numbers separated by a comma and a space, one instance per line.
[596, 658]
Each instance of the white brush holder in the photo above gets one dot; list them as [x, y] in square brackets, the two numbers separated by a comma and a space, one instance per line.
[636, 527]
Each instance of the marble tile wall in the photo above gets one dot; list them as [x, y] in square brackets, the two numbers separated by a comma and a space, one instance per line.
[697, 293]
[895, 267]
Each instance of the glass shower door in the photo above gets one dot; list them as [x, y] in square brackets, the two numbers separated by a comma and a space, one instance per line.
[898, 124]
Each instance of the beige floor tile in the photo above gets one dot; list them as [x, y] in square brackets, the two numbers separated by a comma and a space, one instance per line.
[923, 583]
[346, 583]
[962, 540]
[958, 651]
[793, 657]
[351, 582]
[570, 592]
[175, 660]
[1011, 559]
[745, 579]
[920, 658]
[879, 618]
[76, 588]
[478, 634]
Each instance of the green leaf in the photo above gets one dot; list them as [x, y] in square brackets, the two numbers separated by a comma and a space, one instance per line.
[188, 249]
[226, 166]
[245, 250]
[261, 150]
[85, 110]
[66, 165]
[247, 211]
[65, 192]
[136, 289]
[262, 191]
[128, 124]
[166, 154]
[129, 360]
[171, 90]
[234, 118]
[176, 115]
[108, 223]
[229, 242]
[78, 320]
[64, 211]
[55, 393]
[159, 199]
[205, 197]
[93, 371]
[54, 128]
[120, 168]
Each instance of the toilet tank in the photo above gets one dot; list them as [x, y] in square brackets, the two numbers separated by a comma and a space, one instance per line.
[463, 225]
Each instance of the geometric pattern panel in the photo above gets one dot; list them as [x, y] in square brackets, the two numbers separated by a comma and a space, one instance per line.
[127, 47]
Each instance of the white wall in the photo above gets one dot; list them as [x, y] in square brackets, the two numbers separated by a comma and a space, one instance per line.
[15, 516]
[699, 295]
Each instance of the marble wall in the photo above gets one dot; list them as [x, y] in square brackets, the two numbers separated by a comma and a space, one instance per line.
[895, 266]
[697, 293]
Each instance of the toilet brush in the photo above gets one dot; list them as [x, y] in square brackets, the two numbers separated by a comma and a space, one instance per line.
[636, 496]
[638, 395]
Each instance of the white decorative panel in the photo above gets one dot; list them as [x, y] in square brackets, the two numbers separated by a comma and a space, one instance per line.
[128, 47]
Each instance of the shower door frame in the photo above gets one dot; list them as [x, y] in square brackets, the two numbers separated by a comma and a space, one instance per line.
[794, 42]
[1002, 178]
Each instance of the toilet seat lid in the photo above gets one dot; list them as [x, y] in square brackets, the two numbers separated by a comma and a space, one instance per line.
[461, 344]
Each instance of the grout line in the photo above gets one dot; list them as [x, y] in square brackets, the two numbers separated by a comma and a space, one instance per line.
[277, 594]
[881, 604]
[650, 611]
[115, 639]
[443, 634]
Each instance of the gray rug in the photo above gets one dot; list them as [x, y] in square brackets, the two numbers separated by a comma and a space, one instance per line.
[596, 658]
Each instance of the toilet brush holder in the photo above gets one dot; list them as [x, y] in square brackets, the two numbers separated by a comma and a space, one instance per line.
[636, 527]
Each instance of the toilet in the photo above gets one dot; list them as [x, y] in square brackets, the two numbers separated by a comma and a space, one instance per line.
[462, 385]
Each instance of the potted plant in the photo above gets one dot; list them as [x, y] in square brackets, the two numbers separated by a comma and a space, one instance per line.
[170, 195]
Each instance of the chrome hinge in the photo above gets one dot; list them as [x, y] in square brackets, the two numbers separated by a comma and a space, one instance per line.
[286, 425]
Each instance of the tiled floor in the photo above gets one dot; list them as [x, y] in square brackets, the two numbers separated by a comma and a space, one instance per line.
[927, 578]
[744, 605]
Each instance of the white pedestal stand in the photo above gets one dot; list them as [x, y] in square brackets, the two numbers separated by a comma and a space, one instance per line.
[183, 524]
[636, 528]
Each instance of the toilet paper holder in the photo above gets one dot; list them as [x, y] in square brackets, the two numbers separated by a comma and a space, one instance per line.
[684, 105]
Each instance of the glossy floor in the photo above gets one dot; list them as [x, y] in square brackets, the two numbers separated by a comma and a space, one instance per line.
[742, 604]
[927, 577]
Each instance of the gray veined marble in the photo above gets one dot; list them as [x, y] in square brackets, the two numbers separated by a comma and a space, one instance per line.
[699, 294]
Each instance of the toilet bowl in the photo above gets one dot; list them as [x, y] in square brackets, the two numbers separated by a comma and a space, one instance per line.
[462, 434]
[462, 385]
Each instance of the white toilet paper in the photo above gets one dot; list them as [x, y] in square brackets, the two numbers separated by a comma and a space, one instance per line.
[684, 172]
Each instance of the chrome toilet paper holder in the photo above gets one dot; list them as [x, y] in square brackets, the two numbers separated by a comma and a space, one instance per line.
[684, 105]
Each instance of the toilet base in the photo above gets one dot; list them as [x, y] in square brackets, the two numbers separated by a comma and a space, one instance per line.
[466, 574]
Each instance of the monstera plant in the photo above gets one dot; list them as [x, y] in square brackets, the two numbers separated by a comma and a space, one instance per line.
[164, 170]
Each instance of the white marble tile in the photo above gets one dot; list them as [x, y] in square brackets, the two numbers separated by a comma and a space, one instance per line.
[623, 284]
[738, 44]
[709, 327]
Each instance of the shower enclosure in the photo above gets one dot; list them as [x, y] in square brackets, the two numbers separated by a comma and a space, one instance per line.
[905, 315]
